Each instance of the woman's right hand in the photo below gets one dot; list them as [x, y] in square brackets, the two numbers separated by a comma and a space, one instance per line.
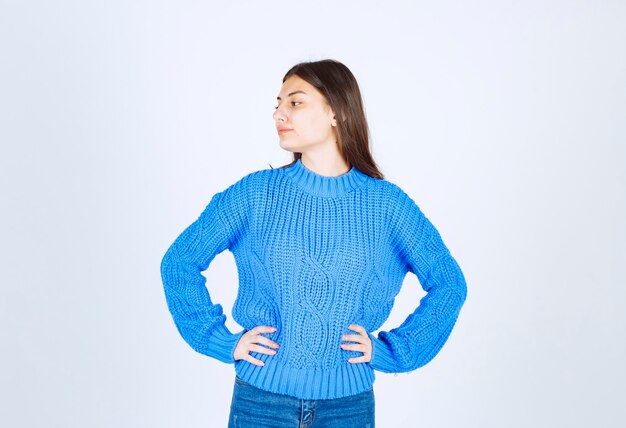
[248, 342]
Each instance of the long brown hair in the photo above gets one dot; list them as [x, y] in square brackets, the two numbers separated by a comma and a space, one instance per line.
[340, 89]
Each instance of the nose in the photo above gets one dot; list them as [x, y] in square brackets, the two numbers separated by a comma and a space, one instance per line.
[279, 115]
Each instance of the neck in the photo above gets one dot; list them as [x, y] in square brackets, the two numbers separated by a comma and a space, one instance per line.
[325, 185]
[327, 166]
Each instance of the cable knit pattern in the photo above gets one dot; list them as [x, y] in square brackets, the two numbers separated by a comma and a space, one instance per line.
[314, 254]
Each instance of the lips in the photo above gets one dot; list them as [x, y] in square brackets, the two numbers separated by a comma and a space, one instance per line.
[284, 130]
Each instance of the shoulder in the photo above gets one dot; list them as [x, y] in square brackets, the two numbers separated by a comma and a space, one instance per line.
[250, 181]
[247, 189]
[399, 208]
[391, 193]
[259, 177]
[234, 203]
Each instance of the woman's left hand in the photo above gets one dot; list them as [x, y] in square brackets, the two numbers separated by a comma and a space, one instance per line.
[363, 344]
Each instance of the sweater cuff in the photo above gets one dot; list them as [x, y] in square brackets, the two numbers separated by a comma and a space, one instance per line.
[382, 356]
[223, 342]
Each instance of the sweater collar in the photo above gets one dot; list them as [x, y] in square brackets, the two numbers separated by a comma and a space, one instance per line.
[323, 185]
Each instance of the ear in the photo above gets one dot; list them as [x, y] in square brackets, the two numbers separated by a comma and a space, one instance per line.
[334, 122]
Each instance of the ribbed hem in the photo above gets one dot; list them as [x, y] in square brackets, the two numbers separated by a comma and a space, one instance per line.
[307, 384]
[322, 185]
[223, 343]
[382, 357]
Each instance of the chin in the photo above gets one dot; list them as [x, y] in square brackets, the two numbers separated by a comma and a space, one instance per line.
[289, 147]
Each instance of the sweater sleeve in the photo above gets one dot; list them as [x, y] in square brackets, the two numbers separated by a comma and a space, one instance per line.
[200, 322]
[421, 336]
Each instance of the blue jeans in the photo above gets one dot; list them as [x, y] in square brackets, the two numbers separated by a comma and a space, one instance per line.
[252, 407]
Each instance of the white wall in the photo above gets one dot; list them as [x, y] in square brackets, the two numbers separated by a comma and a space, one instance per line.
[120, 119]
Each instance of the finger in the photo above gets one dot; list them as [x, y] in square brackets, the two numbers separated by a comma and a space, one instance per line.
[353, 338]
[363, 359]
[253, 360]
[262, 350]
[264, 329]
[356, 327]
[265, 341]
[355, 347]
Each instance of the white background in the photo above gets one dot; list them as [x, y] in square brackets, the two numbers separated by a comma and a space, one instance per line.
[120, 119]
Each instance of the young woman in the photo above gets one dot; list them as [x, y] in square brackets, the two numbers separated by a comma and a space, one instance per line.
[322, 246]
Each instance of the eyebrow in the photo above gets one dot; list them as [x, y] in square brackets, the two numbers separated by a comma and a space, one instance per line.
[292, 93]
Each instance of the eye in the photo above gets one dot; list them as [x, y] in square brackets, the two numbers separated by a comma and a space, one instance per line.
[292, 103]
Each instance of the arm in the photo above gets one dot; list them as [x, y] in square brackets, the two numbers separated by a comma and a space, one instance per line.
[200, 322]
[420, 337]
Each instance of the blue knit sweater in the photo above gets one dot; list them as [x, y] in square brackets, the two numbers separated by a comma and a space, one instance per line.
[314, 254]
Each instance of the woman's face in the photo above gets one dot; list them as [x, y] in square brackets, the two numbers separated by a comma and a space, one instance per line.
[303, 118]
